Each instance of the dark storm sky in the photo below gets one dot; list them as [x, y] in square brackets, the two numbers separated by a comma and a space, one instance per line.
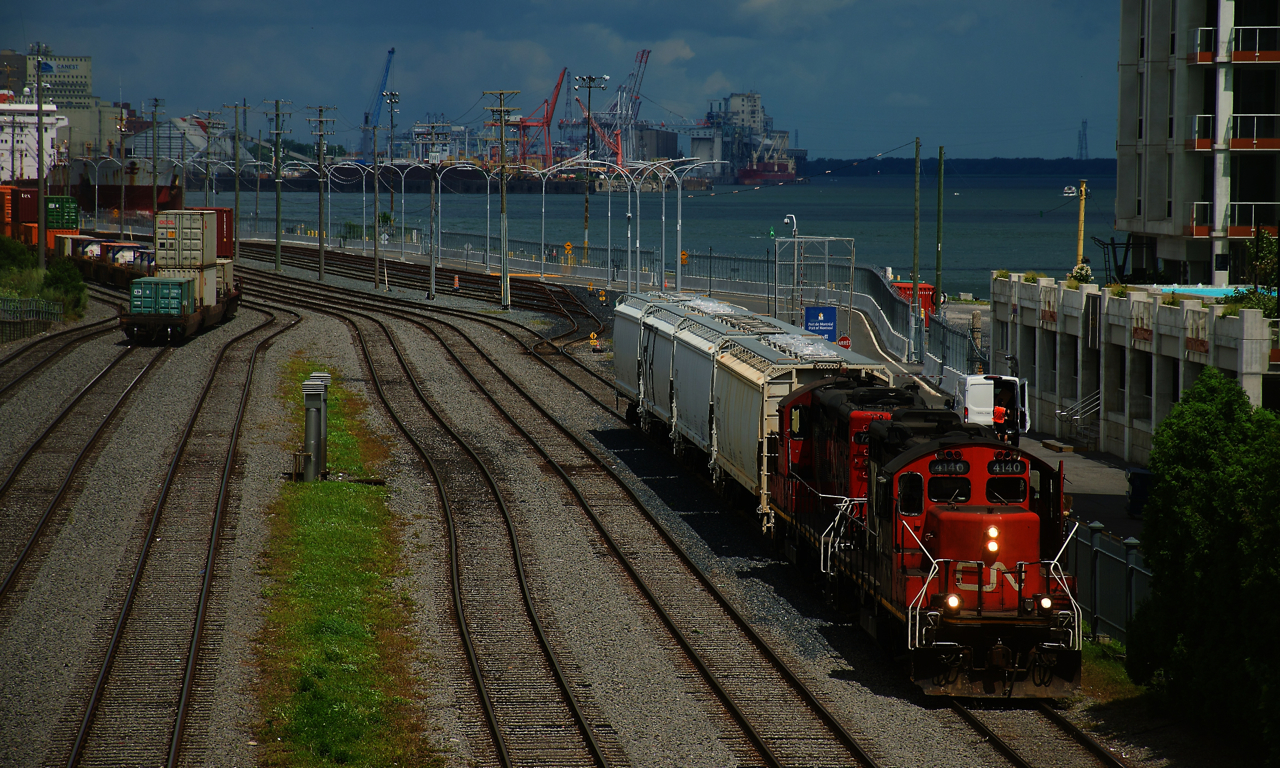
[984, 77]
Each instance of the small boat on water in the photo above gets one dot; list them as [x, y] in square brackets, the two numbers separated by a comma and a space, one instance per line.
[1069, 191]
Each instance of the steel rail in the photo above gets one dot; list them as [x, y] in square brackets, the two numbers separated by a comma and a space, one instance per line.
[1102, 753]
[809, 698]
[50, 357]
[29, 347]
[113, 646]
[989, 735]
[766, 650]
[12, 574]
[553, 661]
[215, 539]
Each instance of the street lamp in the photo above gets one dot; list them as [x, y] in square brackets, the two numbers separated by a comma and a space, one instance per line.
[543, 175]
[795, 264]
[630, 179]
[588, 82]
[680, 174]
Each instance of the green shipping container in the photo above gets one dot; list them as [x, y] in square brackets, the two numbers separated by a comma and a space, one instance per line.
[142, 296]
[174, 296]
[61, 212]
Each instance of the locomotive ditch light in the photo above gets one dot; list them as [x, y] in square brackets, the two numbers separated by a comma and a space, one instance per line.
[1044, 604]
[952, 603]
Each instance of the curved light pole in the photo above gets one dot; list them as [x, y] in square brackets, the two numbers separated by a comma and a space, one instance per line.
[96, 168]
[544, 175]
[790, 218]
[364, 170]
[680, 173]
[631, 180]
[438, 246]
[661, 169]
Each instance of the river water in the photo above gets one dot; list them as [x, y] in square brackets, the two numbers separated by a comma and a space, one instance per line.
[1015, 223]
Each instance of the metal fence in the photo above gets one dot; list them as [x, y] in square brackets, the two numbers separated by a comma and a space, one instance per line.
[1112, 579]
[955, 348]
[20, 318]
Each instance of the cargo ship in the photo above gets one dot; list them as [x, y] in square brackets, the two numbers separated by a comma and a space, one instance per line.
[755, 173]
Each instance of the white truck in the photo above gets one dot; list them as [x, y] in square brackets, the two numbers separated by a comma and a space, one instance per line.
[976, 397]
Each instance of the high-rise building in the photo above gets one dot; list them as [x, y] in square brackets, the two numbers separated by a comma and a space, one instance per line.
[68, 83]
[1198, 134]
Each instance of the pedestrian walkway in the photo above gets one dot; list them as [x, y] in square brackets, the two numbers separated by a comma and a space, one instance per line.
[1096, 484]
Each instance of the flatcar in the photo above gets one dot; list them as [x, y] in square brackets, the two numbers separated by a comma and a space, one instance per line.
[945, 540]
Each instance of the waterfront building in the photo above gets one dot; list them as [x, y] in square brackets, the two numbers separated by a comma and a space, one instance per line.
[91, 123]
[1198, 134]
[19, 155]
[1106, 369]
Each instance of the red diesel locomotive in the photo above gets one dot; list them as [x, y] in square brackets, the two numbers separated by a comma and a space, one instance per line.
[945, 539]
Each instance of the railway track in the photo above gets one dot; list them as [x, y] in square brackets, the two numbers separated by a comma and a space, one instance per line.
[35, 486]
[775, 718]
[137, 707]
[1034, 736]
[25, 361]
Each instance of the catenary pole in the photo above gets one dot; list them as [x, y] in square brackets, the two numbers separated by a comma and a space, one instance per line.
[937, 275]
[915, 258]
[320, 133]
[377, 225]
[500, 114]
[40, 210]
[276, 131]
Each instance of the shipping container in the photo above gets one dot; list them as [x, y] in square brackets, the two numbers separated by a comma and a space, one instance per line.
[28, 205]
[142, 296]
[29, 233]
[51, 237]
[61, 212]
[7, 197]
[175, 296]
[226, 235]
[226, 281]
[926, 297]
[186, 238]
[205, 281]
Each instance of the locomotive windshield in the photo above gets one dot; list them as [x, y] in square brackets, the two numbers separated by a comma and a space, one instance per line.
[953, 490]
[1007, 490]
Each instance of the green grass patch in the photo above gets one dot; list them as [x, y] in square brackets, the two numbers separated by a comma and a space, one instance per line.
[1103, 676]
[335, 686]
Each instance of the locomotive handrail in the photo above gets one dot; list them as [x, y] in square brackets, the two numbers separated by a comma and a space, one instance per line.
[830, 542]
[913, 611]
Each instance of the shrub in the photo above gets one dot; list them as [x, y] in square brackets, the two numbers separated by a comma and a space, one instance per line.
[15, 255]
[1081, 273]
[1030, 276]
[62, 282]
[1206, 636]
[1249, 299]
[1119, 291]
[1002, 274]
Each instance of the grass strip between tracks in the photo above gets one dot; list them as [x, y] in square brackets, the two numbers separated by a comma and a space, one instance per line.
[333, 657]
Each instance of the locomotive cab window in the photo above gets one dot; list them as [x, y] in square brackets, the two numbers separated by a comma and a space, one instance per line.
[799, 426]
[955, 490]
[1007, 490]
[910, 494]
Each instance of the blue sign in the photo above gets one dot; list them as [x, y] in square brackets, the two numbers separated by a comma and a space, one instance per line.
[822, 321]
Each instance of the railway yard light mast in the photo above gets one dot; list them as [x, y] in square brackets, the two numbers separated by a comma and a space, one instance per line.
[680, 174]
[790, 218]
[590, 83]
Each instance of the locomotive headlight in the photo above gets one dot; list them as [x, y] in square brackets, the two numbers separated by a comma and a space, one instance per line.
[993, 532]
[993, 546]
[952, 602]
[1046, 602]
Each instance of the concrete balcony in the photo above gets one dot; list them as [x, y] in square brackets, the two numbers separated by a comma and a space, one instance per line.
[1247, 45]
[1249, 132]
[1198, 220]
[1200, 133]
[1244, 219]
[1255, 45]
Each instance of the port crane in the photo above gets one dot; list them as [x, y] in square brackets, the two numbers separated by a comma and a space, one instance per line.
[539, 122]
[373, 113]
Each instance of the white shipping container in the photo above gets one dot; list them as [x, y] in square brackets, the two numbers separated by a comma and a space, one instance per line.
[186, 238]
[226, 282]
[206, 281]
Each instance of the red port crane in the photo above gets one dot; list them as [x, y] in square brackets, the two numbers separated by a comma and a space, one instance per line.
[539, 122]
[614, 144]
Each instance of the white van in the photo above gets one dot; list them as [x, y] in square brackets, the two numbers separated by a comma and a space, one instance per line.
[976, 397]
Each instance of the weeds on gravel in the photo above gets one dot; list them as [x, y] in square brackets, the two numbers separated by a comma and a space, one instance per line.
[335, 686]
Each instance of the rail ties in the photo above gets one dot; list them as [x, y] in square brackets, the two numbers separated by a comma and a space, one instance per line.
[38, 481]
[1031, 734]
[144, 681]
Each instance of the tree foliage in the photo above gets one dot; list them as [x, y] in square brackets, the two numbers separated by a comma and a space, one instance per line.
[1207, 636]
[15, 255]
[1262, 259]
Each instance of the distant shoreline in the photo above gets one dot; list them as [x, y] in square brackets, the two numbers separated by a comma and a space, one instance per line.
[996, 166]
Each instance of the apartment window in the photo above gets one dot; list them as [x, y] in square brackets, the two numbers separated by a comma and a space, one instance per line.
[1142, 162]
[1169, 187]
[1142, 102]
[1171, 97]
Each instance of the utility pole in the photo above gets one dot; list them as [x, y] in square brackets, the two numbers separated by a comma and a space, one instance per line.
[377, 225]
[155, 157]
[320, 120]
[500, 115]
[211, 127]
[121, 125]
[1080, 233]
[937, 276]
[393, 98]
[235, 151]
[257, 180]
[915, 261]
[40, 211]
[276, 132]
[588, 82]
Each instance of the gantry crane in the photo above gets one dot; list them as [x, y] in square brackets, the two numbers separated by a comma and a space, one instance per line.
[539, 121]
